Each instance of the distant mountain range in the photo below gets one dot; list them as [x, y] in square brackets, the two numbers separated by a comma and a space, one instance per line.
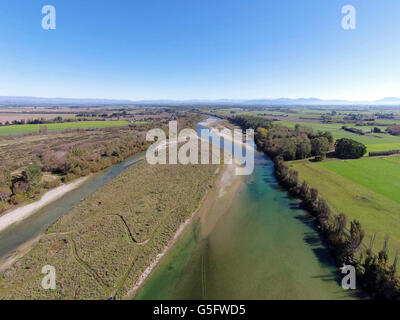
[34, 101]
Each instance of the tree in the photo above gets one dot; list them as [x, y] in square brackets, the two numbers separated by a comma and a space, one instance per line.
[349, 149]
[339, 224]
[304, 190]
[303, 149]
[288, 150]
[394, 130]
[323, 212]
[319, 146]
[356, 237]
[329, 136]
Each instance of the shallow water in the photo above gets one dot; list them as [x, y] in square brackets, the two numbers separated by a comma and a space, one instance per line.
[262, 246]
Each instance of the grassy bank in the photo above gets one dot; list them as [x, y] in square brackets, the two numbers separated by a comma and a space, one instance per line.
[364, 189]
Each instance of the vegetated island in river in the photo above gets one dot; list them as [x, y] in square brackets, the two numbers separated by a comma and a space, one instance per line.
[104, 246]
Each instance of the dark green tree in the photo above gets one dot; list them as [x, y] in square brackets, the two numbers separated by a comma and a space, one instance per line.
[349, 149]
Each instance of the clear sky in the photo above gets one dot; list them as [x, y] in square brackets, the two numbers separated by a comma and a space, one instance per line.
[200, 49]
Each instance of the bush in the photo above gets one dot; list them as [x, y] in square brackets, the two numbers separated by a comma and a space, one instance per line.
[5, 193]
[33, 174]
[16, 199]
[349, 149]
[69, 177]
[320, 157]
[52, 183]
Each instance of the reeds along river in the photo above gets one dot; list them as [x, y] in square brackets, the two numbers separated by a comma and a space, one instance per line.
[260, 246]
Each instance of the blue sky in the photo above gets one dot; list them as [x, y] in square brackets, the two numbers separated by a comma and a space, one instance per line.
[200, 49]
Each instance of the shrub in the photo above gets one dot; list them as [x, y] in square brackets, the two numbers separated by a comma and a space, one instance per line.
[16, 199]
[32, 174]
[52, 183]
[68, 177]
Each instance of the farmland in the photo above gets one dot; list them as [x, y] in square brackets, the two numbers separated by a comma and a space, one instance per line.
[11, 116]
[363, 189]
[28, 128]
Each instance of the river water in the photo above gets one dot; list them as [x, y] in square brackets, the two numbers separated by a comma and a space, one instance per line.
[34, 225]
[262, 246]
[255, 245]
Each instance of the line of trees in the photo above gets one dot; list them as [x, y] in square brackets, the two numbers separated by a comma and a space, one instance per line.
[384, 153]
[353, 130]
[292, 144]
[375, 273]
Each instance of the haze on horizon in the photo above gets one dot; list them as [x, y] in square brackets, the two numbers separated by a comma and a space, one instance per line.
[181, 50]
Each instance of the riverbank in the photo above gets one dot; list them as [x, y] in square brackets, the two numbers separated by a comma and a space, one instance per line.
[226, 180]
[252, 242]
[112, 236]
[21, 213]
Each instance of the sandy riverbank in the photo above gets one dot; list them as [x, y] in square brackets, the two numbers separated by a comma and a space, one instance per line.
[226, 182]
[23, 212]
[234, 137]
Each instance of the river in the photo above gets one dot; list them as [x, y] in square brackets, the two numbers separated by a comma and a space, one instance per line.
[261, 246]
[254, 244]
[20, 233]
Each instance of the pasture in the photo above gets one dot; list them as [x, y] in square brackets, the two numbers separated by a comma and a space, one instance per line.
[11, 116]
[363, 189]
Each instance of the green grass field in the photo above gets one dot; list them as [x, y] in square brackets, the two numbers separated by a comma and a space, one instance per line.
[363, 189]
[27, 128]
[374, 142]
